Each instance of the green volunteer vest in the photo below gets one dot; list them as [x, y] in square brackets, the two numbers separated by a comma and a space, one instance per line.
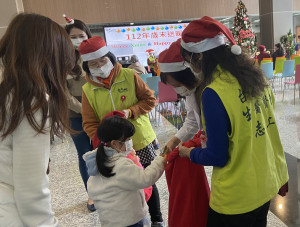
[121, 96]
[256, 168]
[151, 59]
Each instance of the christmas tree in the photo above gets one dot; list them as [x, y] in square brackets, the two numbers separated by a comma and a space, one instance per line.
[242, 31]
[288, 43]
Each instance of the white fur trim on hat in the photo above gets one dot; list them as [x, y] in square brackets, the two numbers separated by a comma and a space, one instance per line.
[171, 67]
[204, 45]
[96, 54]
[236, 49]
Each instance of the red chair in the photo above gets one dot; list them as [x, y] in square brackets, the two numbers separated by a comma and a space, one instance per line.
[296, 81]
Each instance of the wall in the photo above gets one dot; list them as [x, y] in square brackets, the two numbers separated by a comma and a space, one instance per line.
[296, 5]
[8, 9]
[119, 11]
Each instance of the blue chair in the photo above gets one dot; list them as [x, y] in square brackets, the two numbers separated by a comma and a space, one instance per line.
[152, 83]
[288, 70]
[145, 76]
[267, 68]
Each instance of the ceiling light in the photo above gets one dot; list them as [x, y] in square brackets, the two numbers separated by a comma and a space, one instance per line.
[131, 23]
[179, 21]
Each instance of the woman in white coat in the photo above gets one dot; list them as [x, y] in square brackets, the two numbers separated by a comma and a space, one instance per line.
[36, 56]
[175, 72]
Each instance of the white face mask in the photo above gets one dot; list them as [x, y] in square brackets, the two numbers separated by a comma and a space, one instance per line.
[199, 75]
[102, 72]
[129, 147]
[77, 42]
[183, 91]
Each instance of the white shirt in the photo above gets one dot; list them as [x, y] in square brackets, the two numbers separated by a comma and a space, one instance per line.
[24, 185]
[192, 123]
[120, 199]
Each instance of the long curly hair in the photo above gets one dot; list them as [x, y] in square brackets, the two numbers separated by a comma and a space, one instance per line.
[250, 76]
[36, 55]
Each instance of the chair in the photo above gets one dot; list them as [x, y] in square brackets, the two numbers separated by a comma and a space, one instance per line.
[288, 70]
[145, 76]
[296, 81]
[166, 95]
[268, 59]
[294, 55]
[279, 65]
[265, 61]
[152, 83]
[268, 70]
[297, 60]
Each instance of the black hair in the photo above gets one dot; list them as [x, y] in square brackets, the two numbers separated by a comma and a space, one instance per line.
[111, 128]
[280, 48]
[249, 76]
[186, 77]
[77, 71]
[111, 57]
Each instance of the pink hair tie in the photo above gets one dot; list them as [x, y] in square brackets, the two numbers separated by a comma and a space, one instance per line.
[104, 143]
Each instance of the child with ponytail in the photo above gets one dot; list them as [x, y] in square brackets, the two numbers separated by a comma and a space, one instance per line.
[116, 183]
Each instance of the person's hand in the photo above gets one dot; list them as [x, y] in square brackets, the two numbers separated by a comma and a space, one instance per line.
[184, 152]
[126, 112]
[172, 144]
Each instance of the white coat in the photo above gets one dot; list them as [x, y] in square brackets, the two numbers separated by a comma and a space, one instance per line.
[24, 185]
[192, 123]
[120, 199]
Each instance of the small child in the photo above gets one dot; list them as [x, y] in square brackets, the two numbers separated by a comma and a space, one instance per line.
[116, 184]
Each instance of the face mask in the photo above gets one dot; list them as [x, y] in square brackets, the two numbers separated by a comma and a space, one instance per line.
[77, 42]
[129, 147]
[183, 91]
[102, 72]
[199, 75]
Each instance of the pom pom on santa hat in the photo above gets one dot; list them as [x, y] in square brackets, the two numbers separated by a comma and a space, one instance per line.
[93, 48]
[68, 20]
[205, 34]
[170, 60]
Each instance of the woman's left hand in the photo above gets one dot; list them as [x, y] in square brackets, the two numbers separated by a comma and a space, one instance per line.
[126, 112]
[184, 152]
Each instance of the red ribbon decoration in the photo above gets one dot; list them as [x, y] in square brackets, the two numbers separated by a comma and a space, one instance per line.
[123, 98]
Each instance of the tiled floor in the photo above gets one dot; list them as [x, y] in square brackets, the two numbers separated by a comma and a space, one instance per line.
[69, 197]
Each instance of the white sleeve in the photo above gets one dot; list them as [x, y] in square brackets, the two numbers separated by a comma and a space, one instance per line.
[132, 177]
[190, 126]
[31, 184]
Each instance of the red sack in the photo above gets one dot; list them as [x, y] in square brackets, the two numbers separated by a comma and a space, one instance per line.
[188, 189]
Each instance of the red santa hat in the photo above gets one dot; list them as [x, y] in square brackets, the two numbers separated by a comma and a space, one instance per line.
[68, 20]
[170, 59]
[93, 48]
[262, 48]
[205, 34]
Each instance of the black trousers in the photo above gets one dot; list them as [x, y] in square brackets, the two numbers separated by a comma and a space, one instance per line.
[154, 203]
[255, 218]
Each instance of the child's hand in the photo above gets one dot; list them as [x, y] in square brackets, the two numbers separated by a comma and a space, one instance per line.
[164, 152]
[184, 152]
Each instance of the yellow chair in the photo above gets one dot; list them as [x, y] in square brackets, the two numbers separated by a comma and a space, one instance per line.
[297, 60]
[279, 65]
[267, 59]
[294, 55]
